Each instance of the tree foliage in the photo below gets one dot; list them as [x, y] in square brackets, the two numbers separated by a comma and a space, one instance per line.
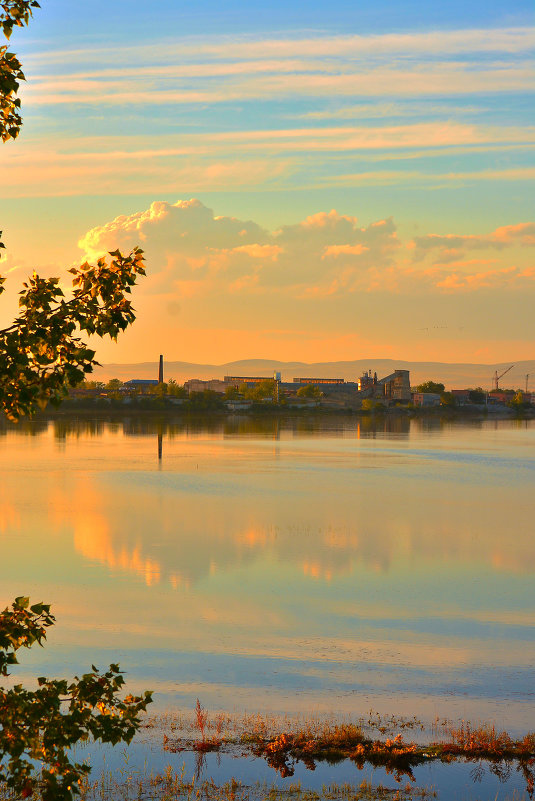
[175, 390]
[310, 391]
[41, 353]
[447, 399]
[38, 727]
[518, 400]
[430, 386]
[114, 384]
[371, 405]
[41, 356]
[13, 13]
[477, 395]
[259, 391]
[206, 399]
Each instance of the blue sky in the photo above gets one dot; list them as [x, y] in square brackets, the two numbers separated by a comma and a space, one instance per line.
[234, 16]
[416, 112]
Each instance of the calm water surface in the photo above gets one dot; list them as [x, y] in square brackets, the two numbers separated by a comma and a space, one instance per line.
[303, 566]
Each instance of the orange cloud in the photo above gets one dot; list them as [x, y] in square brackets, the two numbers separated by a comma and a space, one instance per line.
[523, 233]
[505, 236]
[270, 252]
[493, 278]
[192, 252]
[344, 250]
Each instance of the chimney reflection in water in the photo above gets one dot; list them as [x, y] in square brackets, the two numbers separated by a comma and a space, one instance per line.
[160, 381]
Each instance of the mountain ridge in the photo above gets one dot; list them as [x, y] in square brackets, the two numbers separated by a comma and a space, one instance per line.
[452, 374]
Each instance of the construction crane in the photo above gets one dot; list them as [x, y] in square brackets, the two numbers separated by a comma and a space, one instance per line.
[497, 377]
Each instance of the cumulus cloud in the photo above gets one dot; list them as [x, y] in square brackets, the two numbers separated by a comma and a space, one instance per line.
[186, 245]
[192, 252]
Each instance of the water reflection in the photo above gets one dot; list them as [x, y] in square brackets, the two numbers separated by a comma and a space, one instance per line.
[236, 425]
[336, 557]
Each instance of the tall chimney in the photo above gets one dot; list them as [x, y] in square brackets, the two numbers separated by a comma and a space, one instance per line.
[160, 373]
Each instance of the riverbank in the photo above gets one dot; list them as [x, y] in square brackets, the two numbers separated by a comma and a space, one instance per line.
[115, 409]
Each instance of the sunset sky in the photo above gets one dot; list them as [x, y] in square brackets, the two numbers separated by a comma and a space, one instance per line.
[309, 182]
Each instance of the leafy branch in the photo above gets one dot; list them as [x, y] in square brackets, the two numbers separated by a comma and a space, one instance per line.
[41, 353]
[40, 726]
[13, 13]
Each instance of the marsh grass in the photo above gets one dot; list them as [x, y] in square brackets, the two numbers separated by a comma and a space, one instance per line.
[185, 728]
[174, 786]
[481, 744]
[283, 742]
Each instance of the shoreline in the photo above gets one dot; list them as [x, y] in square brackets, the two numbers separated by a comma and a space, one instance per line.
[117, 411]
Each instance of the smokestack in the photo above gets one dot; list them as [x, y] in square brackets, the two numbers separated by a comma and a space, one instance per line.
[160, 373]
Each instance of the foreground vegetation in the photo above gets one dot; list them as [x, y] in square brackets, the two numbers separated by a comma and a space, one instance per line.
[376, 741]
[39, 727]
[174, 786]
[284, 742]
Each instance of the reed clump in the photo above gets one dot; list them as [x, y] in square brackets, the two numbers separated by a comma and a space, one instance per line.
[210, 730]
[394, 754]
[480, 739]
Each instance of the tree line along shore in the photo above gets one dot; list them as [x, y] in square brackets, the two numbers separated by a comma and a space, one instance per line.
[266, 398]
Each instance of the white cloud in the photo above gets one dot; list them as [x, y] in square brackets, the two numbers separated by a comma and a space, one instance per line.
[190, 252]
[186, 243]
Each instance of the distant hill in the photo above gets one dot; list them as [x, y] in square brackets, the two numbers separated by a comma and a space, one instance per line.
[457, 375]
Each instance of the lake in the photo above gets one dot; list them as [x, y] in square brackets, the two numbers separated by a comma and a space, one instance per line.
[307, 566]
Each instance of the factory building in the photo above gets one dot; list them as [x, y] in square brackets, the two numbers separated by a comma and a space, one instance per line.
[140, 384]
[390, 389]
[396, 386]
[198, 385]
[319, 381]
[249, 380]
[426, 399]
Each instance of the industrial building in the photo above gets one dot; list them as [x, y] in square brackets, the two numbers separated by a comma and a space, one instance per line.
[426, 399]
[319, 381]
[140, 384]
[390, 389]
[213, 384]
[248, 380]
[393, 388]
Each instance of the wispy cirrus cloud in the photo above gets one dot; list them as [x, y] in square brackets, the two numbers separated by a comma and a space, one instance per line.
[510, 40]
[241, 159]
[221, 70]
[211, 108]
[49, 174]
[408, 177]
[430, 135]
[380, 110]
[425, 79]
[354, 137]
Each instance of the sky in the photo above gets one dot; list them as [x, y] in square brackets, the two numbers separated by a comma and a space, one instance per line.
[308, 182]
